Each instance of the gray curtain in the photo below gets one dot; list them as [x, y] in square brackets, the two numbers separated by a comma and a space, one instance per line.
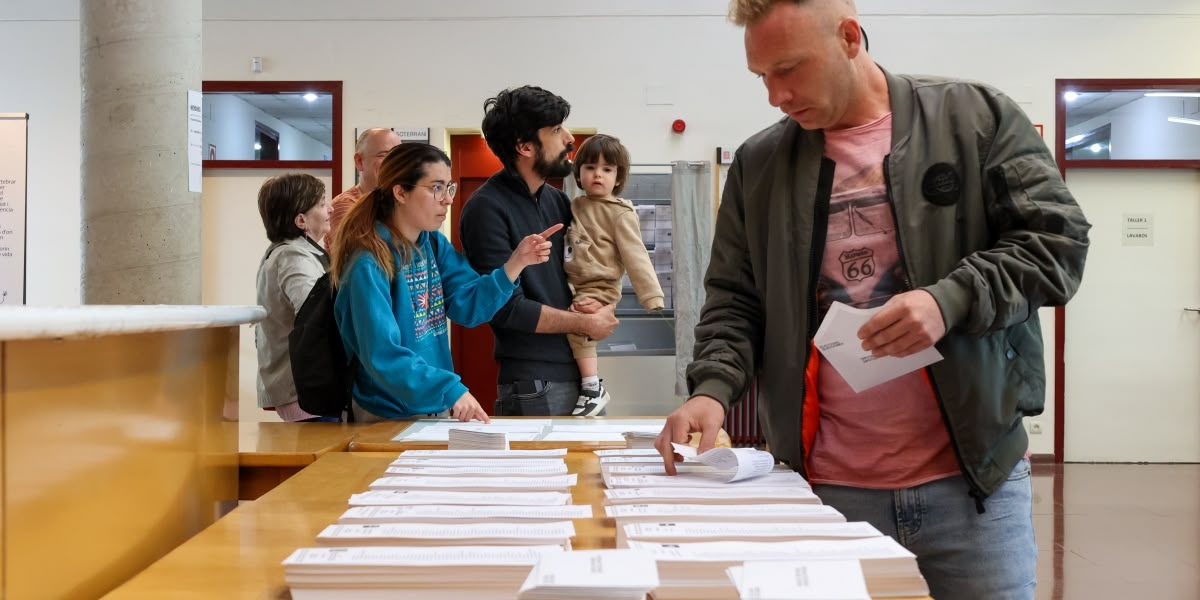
[692, 207]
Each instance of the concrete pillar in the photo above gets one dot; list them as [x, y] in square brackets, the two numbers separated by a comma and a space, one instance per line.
[141, 225]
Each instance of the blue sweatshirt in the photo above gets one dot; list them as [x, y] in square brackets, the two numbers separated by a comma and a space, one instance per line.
[398, 329]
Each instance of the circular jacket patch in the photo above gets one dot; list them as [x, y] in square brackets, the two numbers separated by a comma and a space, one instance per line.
[940, 185]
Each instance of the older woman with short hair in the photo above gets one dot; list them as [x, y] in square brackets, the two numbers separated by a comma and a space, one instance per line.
[295, 213]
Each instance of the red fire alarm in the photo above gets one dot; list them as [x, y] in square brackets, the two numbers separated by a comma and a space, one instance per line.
[678, 126]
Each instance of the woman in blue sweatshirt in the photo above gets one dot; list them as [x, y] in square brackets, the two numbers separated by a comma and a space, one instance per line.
[398, 279]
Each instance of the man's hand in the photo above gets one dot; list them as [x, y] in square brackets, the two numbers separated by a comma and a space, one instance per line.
[467, 408]
[700, 413]
[907, 324]
[601, 323]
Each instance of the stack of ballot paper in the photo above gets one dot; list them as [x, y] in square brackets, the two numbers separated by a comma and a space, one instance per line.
[426, 573]
[694, 531]
[800, 580]
[639, 439]
[455, 498]
[459, 454]
[554, 483]
[712, 495]
[465, 514]
[557, 533]
[696, 571]
[591, 575]
[477, 439]
[624, 514]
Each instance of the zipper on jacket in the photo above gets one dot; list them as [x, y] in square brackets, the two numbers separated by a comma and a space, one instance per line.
[973, 489]
[816, 253]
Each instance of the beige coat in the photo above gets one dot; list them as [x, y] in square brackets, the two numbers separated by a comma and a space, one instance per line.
[603, 243]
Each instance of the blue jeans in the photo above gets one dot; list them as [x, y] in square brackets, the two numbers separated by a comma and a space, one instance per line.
[556, 399]
[962, 554]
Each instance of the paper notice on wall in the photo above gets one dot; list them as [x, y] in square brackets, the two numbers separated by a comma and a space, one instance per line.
[13, 129]
[195, 141]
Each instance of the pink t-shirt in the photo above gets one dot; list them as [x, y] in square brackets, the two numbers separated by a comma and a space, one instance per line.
[890, 436]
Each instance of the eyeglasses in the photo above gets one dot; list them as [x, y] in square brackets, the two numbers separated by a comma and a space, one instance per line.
[441, 190]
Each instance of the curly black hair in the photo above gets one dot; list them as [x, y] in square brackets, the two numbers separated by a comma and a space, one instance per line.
[515, 115]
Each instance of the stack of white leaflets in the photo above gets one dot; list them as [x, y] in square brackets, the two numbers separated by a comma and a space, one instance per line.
[377, 573]
[800, 580]
[729, 513]
[700, 531]
[449, 534]
[554, 483]
[639, 439]
[592, 575]
[719, 476]
[477, 439]
[423, 497]
[464, 514]
[696, 571]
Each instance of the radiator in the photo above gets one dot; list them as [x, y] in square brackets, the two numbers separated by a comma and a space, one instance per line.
[742, 421]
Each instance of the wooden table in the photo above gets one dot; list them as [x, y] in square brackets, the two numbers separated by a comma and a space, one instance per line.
[270, 453]
[379, 438]
[240, 555]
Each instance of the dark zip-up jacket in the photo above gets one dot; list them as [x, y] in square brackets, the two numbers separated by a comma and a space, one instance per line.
[494, 221]
[984, 223]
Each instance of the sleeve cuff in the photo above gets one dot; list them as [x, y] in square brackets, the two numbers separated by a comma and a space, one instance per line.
[717, 389]
[954, 300]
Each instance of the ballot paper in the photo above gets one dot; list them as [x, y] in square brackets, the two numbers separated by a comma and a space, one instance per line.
[725, 494]
[715, 531]
[837, 339]
[591, 575]
[476, 439]
[799, 580]
[422, 497]
[446, 534]
[548, 453]
[476, 484]
[734, 463]
[628, 452]
[624, 514]
[467, 514]
[494, 470]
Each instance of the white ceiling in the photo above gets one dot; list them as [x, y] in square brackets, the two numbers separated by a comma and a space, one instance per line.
[314, 119]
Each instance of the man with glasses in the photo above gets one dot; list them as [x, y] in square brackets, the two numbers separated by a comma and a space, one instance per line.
[370, 148]
[538, 373]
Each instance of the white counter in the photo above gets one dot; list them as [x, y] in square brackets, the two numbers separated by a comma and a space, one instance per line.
[34, 322]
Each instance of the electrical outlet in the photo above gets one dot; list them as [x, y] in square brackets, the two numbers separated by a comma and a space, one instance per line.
[1035, 427]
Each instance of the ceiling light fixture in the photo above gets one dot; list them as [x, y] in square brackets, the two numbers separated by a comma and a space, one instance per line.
[1096, 148]
[1071, 96]
[1076, 138]
[1184, 121]
[311, 97]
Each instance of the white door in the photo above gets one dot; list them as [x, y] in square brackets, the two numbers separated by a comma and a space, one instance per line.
[1132, 350]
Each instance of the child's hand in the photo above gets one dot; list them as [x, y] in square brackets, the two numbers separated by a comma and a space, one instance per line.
[534, 249]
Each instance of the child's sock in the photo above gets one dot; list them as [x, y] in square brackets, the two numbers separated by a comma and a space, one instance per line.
[591, 383]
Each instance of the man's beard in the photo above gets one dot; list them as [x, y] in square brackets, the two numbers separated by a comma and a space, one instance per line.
[558, 168]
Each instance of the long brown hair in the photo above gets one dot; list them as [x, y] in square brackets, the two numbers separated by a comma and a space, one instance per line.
[404, 166]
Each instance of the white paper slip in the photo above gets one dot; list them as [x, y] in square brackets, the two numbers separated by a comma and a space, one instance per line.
[837, 339]
[876, 547]
[400, 556]
[421, 497]
[463, 514]
[591, 574]
[720, 479]
[644, 460]
[657, 468]
[554, 483]
[548, 453]
[582, 436]
[765, 513]
[482, 534]
[711, 495]
[477, 439]
[467, 463]
[800, 580]
[738, 463]
[607, 428]
[481, 471]
[629, 452]
[684, 531]
[640, 439]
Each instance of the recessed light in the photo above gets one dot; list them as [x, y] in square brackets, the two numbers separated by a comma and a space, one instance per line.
[311, 97]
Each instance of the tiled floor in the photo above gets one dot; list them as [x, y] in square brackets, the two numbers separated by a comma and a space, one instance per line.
[1129, 532]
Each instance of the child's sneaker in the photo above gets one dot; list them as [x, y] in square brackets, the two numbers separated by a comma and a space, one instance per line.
[591, 402]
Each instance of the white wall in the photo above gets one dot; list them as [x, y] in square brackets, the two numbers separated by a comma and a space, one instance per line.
[229, 124]
[39, 75]
[1140, 129]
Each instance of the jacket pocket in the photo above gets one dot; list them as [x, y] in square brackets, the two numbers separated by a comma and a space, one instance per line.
[1026, 367]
